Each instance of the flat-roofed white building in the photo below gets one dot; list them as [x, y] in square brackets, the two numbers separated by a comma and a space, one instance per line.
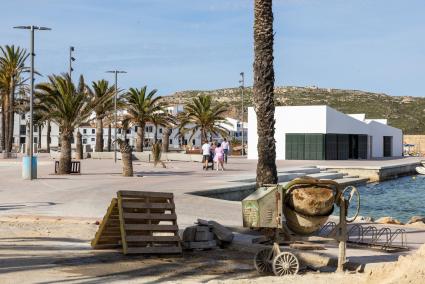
[323, 133]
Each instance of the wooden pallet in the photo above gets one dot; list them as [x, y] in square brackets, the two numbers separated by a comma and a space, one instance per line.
[109, 233]
[147, 223]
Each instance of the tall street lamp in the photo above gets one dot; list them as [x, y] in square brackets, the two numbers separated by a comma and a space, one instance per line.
[242, 82]
[30, 175]
[71, 58]
[116, 72]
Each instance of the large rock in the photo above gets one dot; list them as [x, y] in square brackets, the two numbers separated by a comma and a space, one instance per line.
[416, 219]
[389, 220]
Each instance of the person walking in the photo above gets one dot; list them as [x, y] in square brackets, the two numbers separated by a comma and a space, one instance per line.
[226, 148]
[219, 156]
[206, 148]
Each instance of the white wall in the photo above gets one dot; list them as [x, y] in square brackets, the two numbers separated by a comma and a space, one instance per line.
[322, 119]
[340, 123]
[377, 132]
[288, 119]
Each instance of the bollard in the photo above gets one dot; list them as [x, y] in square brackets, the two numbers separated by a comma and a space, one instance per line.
[26, 168]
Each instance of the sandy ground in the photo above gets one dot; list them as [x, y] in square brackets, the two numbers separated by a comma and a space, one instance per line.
[57, 250]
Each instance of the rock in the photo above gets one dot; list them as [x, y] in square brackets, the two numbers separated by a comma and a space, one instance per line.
[366, 218]
[415, 219]
[389, 220]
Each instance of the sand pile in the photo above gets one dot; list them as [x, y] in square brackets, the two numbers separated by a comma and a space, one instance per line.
[408, 269]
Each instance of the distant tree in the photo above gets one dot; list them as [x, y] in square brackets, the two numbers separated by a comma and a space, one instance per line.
[101, 90]
[68, 106]
[140, 106]
[203, 115]
[12, 64]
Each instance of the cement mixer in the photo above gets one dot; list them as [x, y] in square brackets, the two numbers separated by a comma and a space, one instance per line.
[298, 208]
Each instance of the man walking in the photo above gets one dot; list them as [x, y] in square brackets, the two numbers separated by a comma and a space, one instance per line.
[226, 147]
[206, 148]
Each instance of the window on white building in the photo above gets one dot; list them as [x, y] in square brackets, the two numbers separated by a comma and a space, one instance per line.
[171, 141]
[119, 130]
[160, 130]
[84, 141]
[93, 131]
[92, 139]
[193, 141]
[84, 131]
[36, 140]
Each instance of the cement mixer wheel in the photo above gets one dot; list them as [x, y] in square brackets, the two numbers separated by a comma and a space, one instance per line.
[285, 263]
[263, 261]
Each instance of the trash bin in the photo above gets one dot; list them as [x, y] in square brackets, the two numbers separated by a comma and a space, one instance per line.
[26, 167]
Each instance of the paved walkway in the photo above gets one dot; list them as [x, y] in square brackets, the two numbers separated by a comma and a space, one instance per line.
[88, 194]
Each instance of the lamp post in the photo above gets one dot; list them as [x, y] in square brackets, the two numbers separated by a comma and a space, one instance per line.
[242, 82]
[116, 72]
[32, 29]
[71, 58]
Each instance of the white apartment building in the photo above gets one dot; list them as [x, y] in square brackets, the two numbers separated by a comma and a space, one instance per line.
[88, 133]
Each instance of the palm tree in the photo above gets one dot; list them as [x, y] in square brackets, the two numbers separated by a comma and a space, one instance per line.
[164, 119]
[263, 97]
[126, 157]
[201, 114]
[101, 89]
[140, 106]
[68, 106]
[12, 64]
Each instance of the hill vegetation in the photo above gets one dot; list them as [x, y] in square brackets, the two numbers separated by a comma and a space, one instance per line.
[406, 113]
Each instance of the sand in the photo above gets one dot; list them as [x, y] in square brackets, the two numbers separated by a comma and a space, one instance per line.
[52, 250]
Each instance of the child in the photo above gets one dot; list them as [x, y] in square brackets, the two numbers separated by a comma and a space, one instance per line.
[219, 156]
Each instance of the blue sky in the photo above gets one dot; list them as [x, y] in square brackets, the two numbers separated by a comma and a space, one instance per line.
[204, 44]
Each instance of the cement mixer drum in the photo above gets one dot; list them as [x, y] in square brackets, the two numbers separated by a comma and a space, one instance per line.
[302, 205]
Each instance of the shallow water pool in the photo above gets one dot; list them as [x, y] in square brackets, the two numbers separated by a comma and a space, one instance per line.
[400, 198]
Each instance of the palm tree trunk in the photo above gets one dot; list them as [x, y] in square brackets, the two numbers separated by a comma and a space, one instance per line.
[3, 125]
[79, 147]
[155, 136]
[99, 135]
[49, 139]
[27, 139]
[40, 128]
[109, 137]
[166, 140]
[11, 113]
[6, 121]
[140, 138]
[127, 159]
[65, 157]
[263, 97]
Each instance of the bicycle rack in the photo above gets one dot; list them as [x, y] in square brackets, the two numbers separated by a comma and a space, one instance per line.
[371, 236]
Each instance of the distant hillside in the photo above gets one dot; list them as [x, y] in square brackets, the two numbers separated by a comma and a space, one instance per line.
[407, 113]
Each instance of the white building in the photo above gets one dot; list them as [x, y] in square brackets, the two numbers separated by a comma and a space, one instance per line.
[322, 133]
[88, 132]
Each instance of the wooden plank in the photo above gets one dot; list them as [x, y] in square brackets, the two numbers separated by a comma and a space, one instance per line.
[152, 250]
[147, 227]
[128, 193]
[122, 222]
[106, 222]
[155, 239]
[107, 246]
[129, 204]
[153, 216]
